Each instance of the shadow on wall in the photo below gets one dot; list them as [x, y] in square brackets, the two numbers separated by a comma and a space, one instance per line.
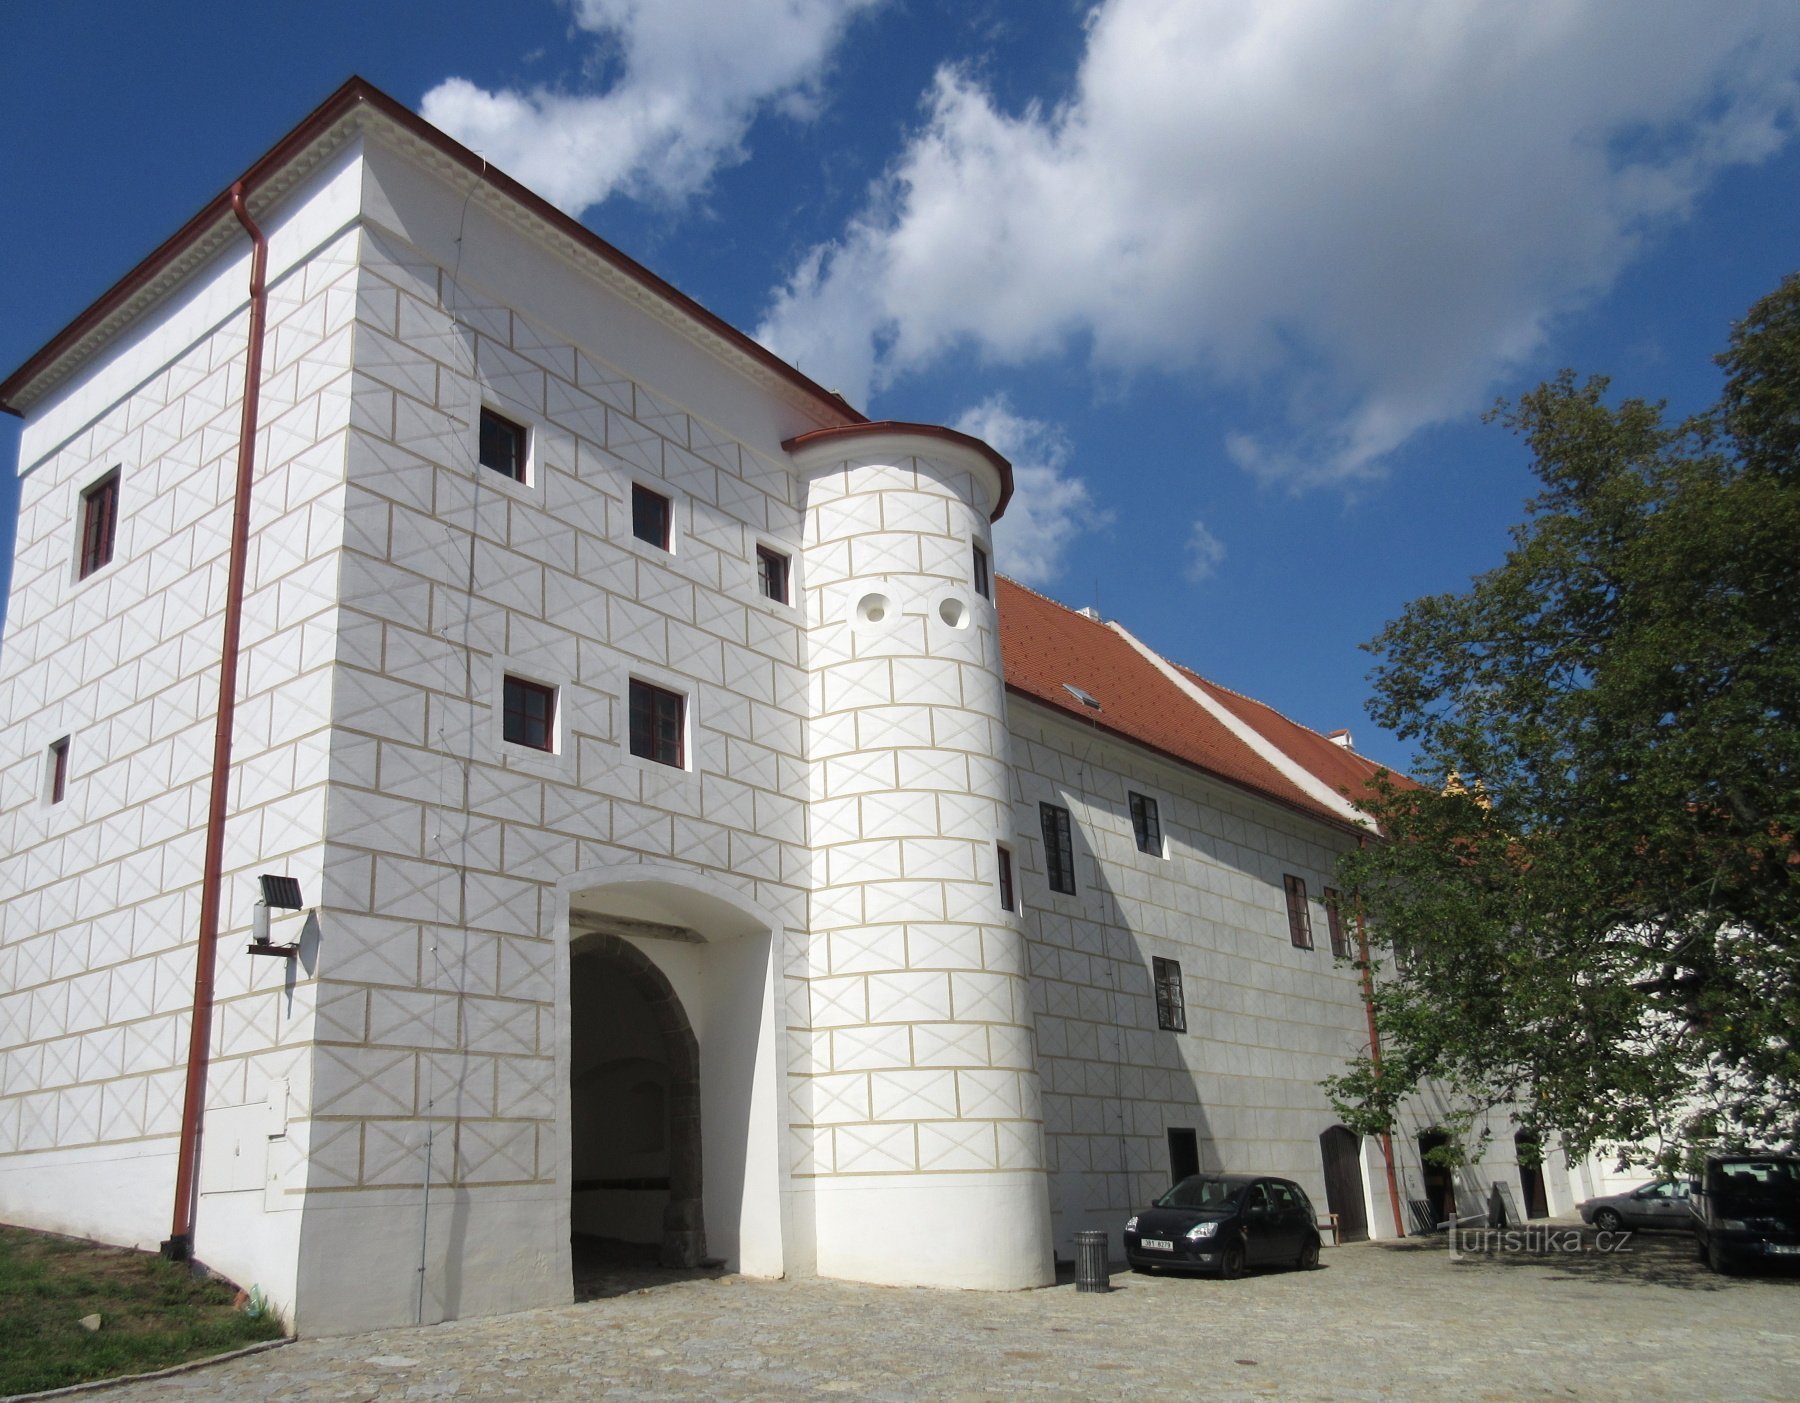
[1151, 1071]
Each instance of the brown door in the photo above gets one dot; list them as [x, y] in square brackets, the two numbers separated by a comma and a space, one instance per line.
[1341, 1151]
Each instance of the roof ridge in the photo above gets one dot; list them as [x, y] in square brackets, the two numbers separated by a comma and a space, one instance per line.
[1270, 706]
[1054, 603]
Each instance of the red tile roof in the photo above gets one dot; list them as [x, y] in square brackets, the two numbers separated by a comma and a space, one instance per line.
[1045, 645]
[1343, 769]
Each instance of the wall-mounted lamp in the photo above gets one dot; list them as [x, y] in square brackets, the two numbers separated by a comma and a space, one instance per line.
[278, 894]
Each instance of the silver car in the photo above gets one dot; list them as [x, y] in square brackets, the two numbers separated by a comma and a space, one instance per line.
[1662, 1203]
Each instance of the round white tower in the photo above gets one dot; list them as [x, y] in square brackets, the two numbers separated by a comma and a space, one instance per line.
[918, 1104]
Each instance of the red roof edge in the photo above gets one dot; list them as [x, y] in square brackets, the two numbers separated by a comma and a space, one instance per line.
[358, 91]
[868, 429]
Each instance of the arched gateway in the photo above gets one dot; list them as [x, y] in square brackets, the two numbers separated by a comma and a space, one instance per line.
[670, 1064]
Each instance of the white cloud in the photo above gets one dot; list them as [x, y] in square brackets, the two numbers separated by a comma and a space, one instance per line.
[1205, 553]
[1367, 212]
[1049, 509]
[691, 76]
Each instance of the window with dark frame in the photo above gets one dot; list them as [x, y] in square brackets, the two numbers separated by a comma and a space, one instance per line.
[772, 574]
[1334, 921]
[528, 713]
[1171, 1007]
[983, 583]
[503, 445]
[1007, 901]
[1146, 826]
[650, 516]
[99, 524]
[656, 724]
[1059, 848]
[59, 770]
[1299, 918]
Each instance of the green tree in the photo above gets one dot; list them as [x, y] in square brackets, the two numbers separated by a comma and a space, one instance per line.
[1603, 929]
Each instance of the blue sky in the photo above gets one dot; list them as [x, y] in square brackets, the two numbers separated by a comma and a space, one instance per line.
[1230, 282]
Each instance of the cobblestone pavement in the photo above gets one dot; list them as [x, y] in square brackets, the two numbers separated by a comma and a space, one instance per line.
[1376, 1321]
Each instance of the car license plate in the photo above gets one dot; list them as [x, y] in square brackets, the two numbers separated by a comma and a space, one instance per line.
[1155, 1244]
[1781, 1249]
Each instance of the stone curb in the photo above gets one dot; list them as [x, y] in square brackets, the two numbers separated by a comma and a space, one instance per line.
[95, 1385]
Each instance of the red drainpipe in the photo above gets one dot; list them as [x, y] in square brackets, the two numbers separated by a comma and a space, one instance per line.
[180, 1245]
[1368, 994]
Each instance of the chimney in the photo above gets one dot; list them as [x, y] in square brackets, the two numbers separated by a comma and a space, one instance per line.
[1089, 612]
[1341, 737]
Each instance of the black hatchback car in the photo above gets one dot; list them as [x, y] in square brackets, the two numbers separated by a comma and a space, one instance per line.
[1224, 1223]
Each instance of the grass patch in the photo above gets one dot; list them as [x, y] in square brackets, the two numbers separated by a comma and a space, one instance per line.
[153, 1313]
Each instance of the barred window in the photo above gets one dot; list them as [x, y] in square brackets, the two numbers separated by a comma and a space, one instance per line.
[1171, 1008]
[1059, 848]
[1299, 919]
[1145, 825]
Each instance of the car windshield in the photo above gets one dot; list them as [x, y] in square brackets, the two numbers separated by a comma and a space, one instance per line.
[1199, 1191]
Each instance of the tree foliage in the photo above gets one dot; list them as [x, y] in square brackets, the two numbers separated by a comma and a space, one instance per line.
[1603, 930]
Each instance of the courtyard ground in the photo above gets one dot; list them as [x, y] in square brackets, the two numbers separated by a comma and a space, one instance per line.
[1401, 1320]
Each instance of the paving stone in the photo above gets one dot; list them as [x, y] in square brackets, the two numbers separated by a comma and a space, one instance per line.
[1376, 1321]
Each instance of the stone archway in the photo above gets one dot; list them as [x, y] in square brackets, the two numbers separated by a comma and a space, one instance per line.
[683, 1240]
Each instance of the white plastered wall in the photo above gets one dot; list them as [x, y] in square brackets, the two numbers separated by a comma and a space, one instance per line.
[125, 663]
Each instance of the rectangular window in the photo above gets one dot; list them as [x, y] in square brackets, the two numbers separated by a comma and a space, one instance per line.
[1007, 901]
[1059, 848]
[650, 516]
[1171, 1008]
[772, 574]
[529, 714]
[503, 445]
[1145, 825]
[656, 724]
[99, 524]
[1334, 919]
[57, 785]
[983, 585]
[1299, 919]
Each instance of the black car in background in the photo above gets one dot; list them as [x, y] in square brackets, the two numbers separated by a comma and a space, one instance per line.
[1747, 1211]
[1224, 1223]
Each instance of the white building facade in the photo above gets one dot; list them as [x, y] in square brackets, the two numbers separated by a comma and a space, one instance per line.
[637, 722]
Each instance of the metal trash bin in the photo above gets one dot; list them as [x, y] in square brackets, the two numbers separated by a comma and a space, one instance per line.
[1091, 1270]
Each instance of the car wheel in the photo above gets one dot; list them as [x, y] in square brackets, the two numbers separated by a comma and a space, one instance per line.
[1231, 1265]
[1309, 1255]
[1608, 1219]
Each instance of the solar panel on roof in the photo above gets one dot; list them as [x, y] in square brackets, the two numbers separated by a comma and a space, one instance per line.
[1085, 698]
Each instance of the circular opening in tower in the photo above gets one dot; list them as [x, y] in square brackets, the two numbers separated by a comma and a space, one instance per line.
[873, 608]
[954, 612]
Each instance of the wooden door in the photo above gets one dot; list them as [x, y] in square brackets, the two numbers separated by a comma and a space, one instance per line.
[1342, 1153]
